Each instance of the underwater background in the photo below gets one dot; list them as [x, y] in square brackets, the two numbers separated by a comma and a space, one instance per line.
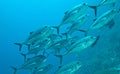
[19, 17]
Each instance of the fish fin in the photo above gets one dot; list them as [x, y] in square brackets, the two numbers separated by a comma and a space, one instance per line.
[24, 55]
[111, 24]
[61, 58]
[66, 34]
[28, 47]
[58, 29]
[20, 46]
[95, 9]
[58, 50]
[44, 52]
[95, 41]
[14, 68]
[84, 31]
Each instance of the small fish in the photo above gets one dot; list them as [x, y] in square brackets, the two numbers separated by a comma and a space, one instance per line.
[41, 46]
[106, 2]
[35, 36]
[63, 43]
[69, 68]
[31, 63]
[106, 19]
[79, 45]
[43, 69]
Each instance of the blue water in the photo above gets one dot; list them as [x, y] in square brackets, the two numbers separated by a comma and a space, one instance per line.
[19, 17]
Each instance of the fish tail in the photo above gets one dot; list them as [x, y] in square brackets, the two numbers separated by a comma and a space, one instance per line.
[66, 34]
[28, 45]
[24, 55]
[58, 29]
[20, 45]
[61, 58]
[84, 31]
[95, 9]
[96, 41]
[14, 68]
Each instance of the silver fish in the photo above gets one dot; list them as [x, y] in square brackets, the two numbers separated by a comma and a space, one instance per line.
[43, 69]
[36, 36]
[104, 19]
[69, 68]
[31, 63]
[77, 24]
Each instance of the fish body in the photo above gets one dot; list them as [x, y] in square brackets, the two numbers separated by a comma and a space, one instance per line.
[104, 19]
[106, 2]
[74, 13]
[64, 43]
[79, 22]
[40, 36]
[36, 37]
[43, 69]
[81, 44]
[31, 63]
[69, 68]
[35, 49]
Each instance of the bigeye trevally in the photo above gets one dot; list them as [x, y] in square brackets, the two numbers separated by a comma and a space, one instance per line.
[69, 68]
[71, 15]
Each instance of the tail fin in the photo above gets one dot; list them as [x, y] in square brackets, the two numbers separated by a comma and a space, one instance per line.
[111, 24]
[58, 29]
[14, 68]
[20, 45]
[61, 58]
[28, 46]
[24, 55]
[95, 41]
[66, 34]
[84, 31]
[95, 9]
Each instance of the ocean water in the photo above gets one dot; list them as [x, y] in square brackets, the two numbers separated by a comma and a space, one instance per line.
[20, 17]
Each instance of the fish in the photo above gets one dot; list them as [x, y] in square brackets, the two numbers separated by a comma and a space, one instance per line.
[35, 49]
[31, 63]
[42, 69]
[103, 3]
[106, 2]
[69, 68]
[72, 14]
[35, 36]
[106, 19]
[63, 43]
[76, 26]
[79, 45]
